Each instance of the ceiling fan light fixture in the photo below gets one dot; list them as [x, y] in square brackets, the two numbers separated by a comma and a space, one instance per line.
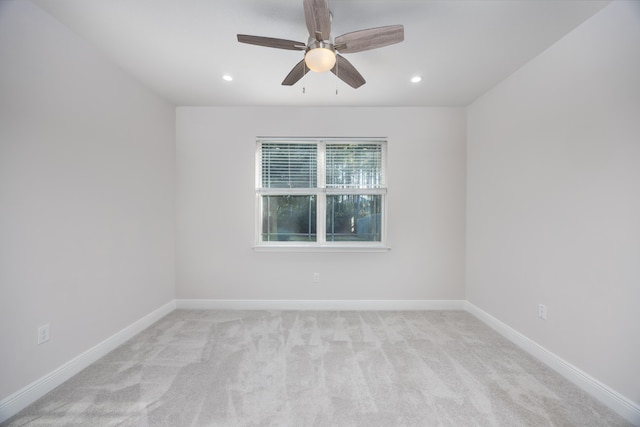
[320, 59]
[322, 52]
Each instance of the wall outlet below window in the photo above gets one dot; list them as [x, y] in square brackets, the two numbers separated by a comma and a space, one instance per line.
[542, 311]
[43, 334]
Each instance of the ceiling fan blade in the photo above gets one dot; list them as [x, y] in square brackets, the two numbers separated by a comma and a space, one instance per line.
[271, 42]
[295, 74]
[347, 72]
[316, 15]
[370, 38]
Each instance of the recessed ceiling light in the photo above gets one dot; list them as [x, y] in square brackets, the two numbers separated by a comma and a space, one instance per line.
[227, 77]
[416, 79]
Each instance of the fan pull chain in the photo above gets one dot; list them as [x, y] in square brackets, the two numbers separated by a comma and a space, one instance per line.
[336, 79]
[304, 80]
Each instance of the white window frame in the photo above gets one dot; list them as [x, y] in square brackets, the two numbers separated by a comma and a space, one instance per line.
[320, 191]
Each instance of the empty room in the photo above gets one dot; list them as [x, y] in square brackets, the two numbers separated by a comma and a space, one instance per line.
[319, 213]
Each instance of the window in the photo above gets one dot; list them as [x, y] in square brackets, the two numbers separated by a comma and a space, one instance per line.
[321, 193]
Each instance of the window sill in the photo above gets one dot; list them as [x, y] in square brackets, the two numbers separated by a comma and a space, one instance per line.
[321, 248]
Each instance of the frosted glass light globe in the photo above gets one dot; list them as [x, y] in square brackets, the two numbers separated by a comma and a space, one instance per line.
[320, 59]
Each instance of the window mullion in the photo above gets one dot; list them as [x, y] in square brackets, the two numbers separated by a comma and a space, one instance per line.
[288, 191]
[321, 204]
[355, 191]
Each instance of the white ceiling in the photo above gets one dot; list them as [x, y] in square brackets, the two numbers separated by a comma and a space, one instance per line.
[181, 48]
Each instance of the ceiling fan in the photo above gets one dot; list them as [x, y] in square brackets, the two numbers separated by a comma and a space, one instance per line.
[321, 52]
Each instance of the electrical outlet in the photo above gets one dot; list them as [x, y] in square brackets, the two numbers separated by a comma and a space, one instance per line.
[316, 277]
[43, 334]
[542, 311]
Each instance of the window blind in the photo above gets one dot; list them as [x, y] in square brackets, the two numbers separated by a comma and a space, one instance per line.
[354, 166]
[286, 165]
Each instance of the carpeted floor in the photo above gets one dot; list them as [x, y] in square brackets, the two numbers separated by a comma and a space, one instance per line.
[308, 368]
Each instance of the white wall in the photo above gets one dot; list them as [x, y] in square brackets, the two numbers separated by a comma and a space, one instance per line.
[216, 206]
[87, 184]
[553, 184]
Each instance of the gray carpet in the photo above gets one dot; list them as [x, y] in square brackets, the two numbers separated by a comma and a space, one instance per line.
[309, 368]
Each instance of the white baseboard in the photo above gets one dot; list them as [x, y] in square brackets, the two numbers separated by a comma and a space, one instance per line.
[32, 392]
[343, 305]
[614, 400]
